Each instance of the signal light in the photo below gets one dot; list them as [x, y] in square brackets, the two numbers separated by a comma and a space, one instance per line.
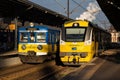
[75, 24]
[31, 24]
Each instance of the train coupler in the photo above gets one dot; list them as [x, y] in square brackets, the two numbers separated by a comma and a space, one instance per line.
[74, 60]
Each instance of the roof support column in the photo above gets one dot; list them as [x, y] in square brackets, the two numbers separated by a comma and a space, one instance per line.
[15, 20]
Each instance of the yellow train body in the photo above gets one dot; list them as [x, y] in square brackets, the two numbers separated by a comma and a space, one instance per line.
[81, 41]
[33, 47]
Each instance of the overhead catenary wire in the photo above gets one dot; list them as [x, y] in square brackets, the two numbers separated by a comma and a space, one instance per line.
[60, 4]
[86, 10]
[75, 9]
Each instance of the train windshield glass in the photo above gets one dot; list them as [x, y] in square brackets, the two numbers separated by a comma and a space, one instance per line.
[75, 34]
[23, 37]
[41, 37]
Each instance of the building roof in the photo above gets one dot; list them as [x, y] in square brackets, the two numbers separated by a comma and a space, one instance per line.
[111, 8]
[29, 11]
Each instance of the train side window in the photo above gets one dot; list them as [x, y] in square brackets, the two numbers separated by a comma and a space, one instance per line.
[49, 38]
[93, 36]
[41, 37]
[53, 38]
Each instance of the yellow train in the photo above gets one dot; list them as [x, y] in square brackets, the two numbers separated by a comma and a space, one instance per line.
[82, 40]
[37, 43]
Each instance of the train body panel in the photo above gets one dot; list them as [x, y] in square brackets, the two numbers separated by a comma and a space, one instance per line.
[81, 51]
[75, 47]
[82, 23]
[33, 47]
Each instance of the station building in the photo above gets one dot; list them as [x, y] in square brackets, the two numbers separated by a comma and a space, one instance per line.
[115, 36]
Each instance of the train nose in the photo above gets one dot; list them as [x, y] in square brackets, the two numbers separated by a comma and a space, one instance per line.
[74, 59]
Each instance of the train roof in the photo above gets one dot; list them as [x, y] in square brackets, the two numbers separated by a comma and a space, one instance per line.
[83, 23]
[111, 8]
[25, 10]
[97, 27]
[40, 27]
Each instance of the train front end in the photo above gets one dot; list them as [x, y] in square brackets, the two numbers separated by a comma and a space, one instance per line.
[32, 44]
[76, 46]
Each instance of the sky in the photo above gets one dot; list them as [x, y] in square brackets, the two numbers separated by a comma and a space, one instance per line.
[78, 9]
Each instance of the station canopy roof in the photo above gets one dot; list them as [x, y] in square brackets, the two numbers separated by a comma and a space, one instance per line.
[29, 11]
[111, 8]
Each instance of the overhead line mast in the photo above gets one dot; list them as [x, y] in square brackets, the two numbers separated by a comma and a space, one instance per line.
[68, 8]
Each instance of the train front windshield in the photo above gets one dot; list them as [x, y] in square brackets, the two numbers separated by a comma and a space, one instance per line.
[32, 37]
[23, 37]
[75, 34]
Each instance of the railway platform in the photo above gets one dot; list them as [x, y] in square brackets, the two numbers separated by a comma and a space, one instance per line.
[9, 53]
[111, 52]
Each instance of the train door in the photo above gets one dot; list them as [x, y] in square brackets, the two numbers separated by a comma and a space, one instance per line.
[57, 41]
[100, 42]
[94, 42]
[95, 39]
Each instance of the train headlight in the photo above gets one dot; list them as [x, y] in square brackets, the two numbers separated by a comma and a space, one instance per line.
[39, 47]
[88, 42]
[62, 42]
[23, 47]
[31, 24]
[83, 55]
[75, 24]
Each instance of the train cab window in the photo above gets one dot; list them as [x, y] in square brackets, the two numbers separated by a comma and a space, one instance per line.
[41, 37]
[75, 34]
[23, 37]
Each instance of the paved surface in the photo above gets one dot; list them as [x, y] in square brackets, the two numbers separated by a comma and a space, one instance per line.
[111, 52]
[9, 53]
[106, 67]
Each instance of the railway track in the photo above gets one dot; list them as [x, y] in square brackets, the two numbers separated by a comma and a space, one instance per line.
[46, 71]
[29, 71]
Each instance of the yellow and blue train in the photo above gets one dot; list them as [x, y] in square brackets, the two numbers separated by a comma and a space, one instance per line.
[80, 41]
[37, 43]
